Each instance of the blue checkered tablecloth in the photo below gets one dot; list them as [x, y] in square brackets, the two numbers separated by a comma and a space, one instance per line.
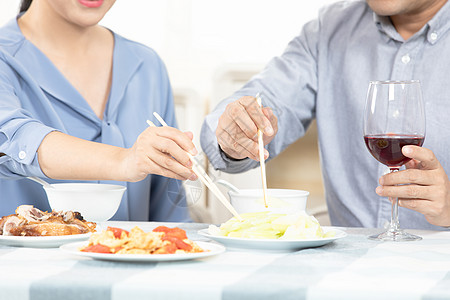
[349, 268]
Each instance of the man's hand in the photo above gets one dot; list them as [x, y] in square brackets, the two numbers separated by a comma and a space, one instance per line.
[423, 186]
[237, 131]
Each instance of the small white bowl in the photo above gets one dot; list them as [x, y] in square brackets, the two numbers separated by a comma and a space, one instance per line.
[283, 201]
[94, 201]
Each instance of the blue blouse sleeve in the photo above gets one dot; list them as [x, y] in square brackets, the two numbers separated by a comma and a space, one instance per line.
[20, 134]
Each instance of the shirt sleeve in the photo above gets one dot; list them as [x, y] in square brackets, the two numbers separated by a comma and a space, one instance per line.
[20, 134]
[288, 84]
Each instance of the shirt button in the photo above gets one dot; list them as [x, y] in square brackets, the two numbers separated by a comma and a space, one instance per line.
[433, 36]
[406, 59]
[22, 155]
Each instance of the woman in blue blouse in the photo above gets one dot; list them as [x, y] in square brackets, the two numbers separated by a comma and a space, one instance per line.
[74, 100]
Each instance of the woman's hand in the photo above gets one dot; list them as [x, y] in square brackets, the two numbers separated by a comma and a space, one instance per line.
[423, 186]
[237, 131]
[162, 151]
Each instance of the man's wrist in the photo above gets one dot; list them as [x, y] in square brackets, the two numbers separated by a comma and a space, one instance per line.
[225, 155]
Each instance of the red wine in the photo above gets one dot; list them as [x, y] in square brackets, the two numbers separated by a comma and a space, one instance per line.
[387, 149]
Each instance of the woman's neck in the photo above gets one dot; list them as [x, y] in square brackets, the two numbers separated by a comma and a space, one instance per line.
[53, 34]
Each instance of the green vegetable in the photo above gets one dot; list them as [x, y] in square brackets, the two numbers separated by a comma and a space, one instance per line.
[266, 225]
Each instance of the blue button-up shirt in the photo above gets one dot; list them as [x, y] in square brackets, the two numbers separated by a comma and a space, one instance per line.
[324, 74]
[35, 99]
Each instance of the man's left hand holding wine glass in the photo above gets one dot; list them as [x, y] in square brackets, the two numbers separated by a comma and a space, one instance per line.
[423, 186]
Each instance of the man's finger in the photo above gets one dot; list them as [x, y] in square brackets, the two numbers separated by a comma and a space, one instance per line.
[239, 116]
[426, 157]
[238, 147]
[420, 205]
[256, 114]
[272, 118]
[409, 176]
[411, 191]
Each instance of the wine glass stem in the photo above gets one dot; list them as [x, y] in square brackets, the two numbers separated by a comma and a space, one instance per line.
[394, 226]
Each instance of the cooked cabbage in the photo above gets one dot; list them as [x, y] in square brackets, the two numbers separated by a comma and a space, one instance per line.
[266, 225]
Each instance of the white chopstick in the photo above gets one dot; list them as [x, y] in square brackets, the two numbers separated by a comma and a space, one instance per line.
[202, 175]
[261, 156]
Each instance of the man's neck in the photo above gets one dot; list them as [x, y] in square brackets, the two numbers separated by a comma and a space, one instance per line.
[409, 23]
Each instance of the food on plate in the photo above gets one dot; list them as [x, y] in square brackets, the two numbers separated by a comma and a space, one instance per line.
[266, 225]
[162, 240]
[30, 221]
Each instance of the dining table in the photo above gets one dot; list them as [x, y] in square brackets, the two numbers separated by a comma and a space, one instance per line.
[352, 267]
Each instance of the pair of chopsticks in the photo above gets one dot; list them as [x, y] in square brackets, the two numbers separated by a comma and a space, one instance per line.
[261, 156]
[202, 175]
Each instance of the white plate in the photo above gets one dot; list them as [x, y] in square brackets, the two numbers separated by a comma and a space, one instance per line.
[214, 249]
[41, 241]
[274, 244]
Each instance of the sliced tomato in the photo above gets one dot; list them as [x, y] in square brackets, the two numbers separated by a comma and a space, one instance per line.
[99, 248]
[117, 249]
[117, 231]
[173, 232]
[166, 249]
[180, 244]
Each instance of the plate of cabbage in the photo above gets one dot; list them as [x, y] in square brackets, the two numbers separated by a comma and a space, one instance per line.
[273, 232]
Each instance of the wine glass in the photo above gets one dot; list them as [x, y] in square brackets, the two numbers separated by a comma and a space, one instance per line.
[394, 117]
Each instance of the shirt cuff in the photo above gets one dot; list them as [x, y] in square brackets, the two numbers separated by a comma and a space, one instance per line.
[22, 146]
[220, 161]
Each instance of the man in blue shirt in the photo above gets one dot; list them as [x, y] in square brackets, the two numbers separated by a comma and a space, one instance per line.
[74, 100]
[324, 74]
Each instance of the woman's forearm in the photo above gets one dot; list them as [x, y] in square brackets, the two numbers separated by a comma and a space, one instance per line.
[62, 156]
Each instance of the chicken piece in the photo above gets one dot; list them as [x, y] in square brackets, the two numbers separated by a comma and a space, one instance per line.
[11, 222]
[2, 223]
[30, 221]
[47, 229]
[31, 213]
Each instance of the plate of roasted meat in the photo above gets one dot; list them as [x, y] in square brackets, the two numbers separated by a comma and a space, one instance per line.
[31, 227]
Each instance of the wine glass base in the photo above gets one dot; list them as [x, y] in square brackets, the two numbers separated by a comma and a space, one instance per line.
[395, 236]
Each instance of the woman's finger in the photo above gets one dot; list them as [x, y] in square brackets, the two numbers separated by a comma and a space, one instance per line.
[168, 166]
[180, 138]
[189, 134]
[171, 148]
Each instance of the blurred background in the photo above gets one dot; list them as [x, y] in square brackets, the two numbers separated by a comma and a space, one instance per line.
[211, 48]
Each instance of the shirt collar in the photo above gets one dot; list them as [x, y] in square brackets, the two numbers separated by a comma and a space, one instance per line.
[439, 24]
[126, 63]
[433, 30]
[386, 27]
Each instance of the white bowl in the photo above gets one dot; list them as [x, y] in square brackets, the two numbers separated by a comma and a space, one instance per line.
[94, 201]
[283, 201]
